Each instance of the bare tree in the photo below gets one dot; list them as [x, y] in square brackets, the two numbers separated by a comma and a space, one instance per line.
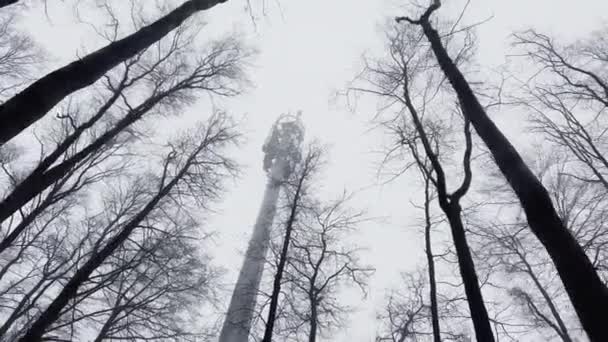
[310, 260]
[587, 292]
[31, 104]
[44, 261]
[37, 258]
[144, 290]
[321, 264]
[296, 188]
[513, 252]
[411, 326]
[577, 70]
[395, 80]
[161, 278]
[430, 260]
[193, 168]
[171, 81]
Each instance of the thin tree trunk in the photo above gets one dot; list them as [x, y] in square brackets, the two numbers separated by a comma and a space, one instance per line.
[312, 334]
[431, 264]
[31, 104]
[451, 207]
[479, 314]
[4, 3]
[23, 224]
[278, 277]
[587, 292]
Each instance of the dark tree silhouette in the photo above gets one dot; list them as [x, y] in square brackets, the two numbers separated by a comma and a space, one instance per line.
[395, 80]
[173, 83]
[511, 250]
[430, 260]
[193, 165]
[4, 3]
[588, 293]
[31, 104]
[302, 176]
[321, 263]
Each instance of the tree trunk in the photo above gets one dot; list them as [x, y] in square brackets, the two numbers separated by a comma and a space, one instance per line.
[22, 308]
[4, 3]
[70, 290]
[431, 268]
[312, 334]
[584, 287]
[479, 314]
[451, 207]
[35, 182]
[31, 104]
[278, 277]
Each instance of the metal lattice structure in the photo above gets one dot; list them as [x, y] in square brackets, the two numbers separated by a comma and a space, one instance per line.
[282, 152]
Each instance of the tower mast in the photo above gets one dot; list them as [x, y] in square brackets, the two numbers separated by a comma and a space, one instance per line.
[281, 154]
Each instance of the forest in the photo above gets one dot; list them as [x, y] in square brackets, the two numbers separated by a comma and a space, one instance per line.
[283, 170]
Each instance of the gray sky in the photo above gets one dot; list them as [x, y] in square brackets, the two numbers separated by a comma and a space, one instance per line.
[308, 50]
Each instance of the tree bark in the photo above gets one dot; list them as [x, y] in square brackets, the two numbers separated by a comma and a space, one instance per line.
[583, 285]
[479, 314]
[431, 264]
[278, 277]
[451, 207]
[106, 326]
[4, 3]
[312, 334]
[31, 104]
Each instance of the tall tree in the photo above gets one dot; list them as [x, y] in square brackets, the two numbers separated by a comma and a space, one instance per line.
[587, 292]
[321, 264]
[282, 152]
[19, 55]
[395, 79]
[31, 104]
[169, 78]
[512, 251]
[296, 189]
[322, 261]
[193, 168]
[430, 260]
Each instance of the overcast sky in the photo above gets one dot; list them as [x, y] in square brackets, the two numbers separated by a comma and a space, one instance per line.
[309, 50]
